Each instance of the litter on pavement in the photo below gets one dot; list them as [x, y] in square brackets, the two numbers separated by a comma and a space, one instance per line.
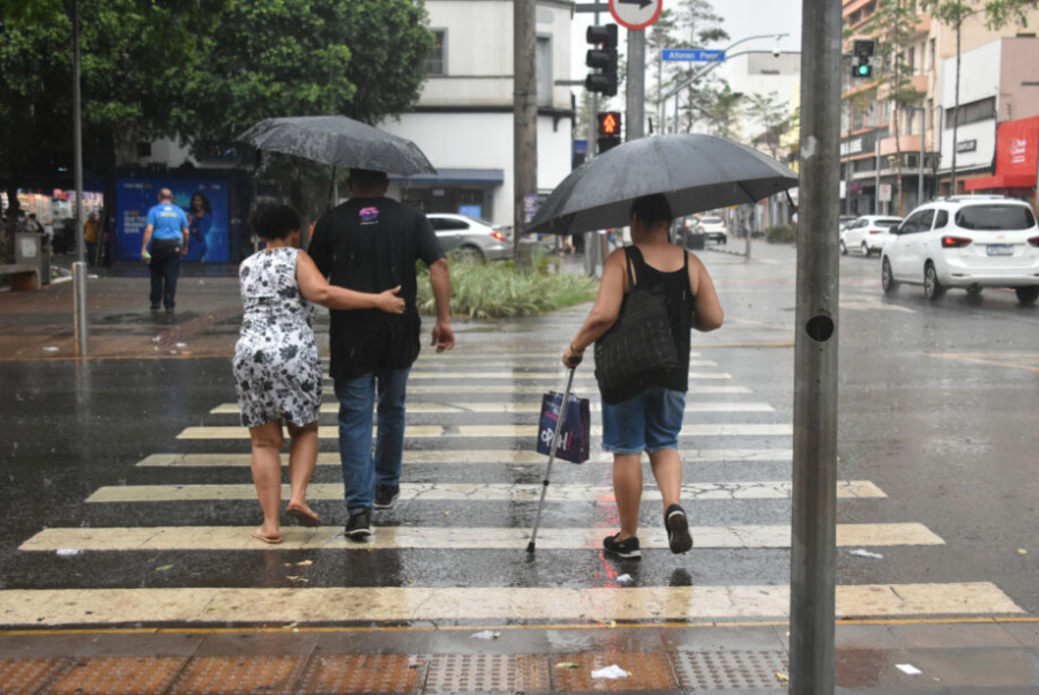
[612, 672]
[487, 635]
[624, 579]
[66, 552]
[908, 669]
[865, 553]
[50, 348]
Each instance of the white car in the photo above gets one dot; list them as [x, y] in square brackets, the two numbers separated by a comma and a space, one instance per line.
[968, 242]
[714, 229]
[867, 234]
[472, 238]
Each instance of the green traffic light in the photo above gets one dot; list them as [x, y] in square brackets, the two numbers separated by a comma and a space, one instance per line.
[863, 70]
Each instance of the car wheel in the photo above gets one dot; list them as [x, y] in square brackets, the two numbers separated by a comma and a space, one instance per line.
[470, 254]
[866, 253]
[933, 289]
[844, 249]
[887, 279]
[1027, 295]
[725, 240]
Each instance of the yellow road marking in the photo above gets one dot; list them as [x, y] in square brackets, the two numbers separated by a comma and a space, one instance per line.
[991, 359]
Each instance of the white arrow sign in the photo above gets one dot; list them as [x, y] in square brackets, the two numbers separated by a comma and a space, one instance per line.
[636, 14]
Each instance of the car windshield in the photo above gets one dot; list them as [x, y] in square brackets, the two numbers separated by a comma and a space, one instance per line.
[478, 219]
[710, 220]
[995, 218]
[887, 222]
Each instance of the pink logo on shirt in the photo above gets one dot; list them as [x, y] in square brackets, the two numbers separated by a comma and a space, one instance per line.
[369, 214]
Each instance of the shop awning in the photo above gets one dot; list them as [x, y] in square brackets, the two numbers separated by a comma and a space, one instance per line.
[456, 176]
[1000, 181]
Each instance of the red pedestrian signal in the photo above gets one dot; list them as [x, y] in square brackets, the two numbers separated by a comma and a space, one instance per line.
[609, 124]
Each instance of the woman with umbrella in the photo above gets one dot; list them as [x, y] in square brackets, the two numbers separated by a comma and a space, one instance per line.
[651, 420]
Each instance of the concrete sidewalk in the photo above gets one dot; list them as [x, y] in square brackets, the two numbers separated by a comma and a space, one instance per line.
[981, 657]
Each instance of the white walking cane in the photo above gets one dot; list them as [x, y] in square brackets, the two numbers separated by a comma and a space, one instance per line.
[551, 459]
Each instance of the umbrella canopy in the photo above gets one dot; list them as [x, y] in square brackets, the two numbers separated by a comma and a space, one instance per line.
[695, 172]
[339, 141]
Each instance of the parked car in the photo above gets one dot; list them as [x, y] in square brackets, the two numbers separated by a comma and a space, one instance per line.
[867, 234]
[844, 221]
[714, 229]
[473, 238]
[968, 242]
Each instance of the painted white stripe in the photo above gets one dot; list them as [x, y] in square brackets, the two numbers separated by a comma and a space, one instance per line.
[421, 431]
[477, 492]
[535, 376]
[589, 391]
[529, 363]
[52, 607]
[474, 354]
[527, 407]
[467, 456]
[454, 538]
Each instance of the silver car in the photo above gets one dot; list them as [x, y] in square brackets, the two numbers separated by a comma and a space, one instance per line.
[470, 237]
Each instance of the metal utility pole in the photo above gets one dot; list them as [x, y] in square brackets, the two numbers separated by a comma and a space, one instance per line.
[590, 247]
[814, 518]
[635, 90]
[876, 189]
[525, 116]
[79, 268]
[923, 153]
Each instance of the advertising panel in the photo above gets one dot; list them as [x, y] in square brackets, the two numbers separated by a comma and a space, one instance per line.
[205, 201]
[1016, 148]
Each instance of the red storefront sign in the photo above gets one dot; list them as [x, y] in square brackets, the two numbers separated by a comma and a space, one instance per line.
[1017, 157]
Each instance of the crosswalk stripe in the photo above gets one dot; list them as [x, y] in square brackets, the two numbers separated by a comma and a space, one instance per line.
[537, 376]
[51, 607]
[477, 492]
[465, 456]
[474, 354]
[528, 407]
[530, 363]
[453, 538]
[476, 431]
[525, 389]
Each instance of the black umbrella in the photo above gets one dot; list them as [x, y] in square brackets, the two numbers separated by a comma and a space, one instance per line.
[339, 141]
[696, 173]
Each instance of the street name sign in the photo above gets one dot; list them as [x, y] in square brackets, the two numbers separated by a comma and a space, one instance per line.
[693, 55]
[636, 14]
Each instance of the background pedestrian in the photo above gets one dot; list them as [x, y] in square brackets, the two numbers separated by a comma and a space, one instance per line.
[168, 225]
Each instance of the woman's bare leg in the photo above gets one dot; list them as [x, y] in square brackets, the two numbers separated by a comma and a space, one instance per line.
[302, 460]
[667, 469]
[266, 466]
[627, 488]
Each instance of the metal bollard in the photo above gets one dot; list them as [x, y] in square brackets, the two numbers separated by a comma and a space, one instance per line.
[79, 301]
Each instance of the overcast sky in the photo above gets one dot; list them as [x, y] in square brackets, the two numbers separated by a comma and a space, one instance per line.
[742, 18]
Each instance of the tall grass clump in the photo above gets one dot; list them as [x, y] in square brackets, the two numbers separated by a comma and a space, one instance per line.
[501, 290]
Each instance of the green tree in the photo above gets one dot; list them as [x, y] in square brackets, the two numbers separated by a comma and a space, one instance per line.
[772, 114]
[953, 13]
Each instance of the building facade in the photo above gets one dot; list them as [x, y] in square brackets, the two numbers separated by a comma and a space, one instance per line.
[464, 118]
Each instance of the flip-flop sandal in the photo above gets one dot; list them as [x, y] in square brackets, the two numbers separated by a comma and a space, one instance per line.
[303, 517]
[272, 540]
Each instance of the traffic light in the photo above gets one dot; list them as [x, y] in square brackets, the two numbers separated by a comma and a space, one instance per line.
[609, 130]
[862, 54]
[603, 58]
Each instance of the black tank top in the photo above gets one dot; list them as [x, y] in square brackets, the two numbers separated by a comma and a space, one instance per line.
[680, 306]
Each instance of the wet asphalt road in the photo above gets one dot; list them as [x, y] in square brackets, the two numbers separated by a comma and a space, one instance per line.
[938, 408]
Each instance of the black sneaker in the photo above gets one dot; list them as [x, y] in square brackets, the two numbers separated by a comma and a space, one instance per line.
[386, 495]
[359, 527]
[677, 530]
[155, 307]
[627, 549]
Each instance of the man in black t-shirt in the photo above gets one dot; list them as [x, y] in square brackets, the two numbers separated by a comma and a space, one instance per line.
[370, 242]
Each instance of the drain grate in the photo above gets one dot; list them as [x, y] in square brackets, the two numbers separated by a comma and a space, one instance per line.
[26, 676]
[647, 671]
[116, 675]
[730, 669]
[488, 673]
[363, 673]
[230, 675]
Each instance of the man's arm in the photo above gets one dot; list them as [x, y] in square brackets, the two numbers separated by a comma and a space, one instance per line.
[440, 279]
[147, 239]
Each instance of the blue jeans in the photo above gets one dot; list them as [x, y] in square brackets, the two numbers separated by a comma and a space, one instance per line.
[357, 398]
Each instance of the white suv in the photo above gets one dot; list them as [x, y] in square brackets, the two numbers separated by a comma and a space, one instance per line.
[965, 241]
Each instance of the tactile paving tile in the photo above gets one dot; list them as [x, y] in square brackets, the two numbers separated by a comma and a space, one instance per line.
[234, 675]
[646, 671]
[26, 676]
[488, 673]
[730, 669]
[116, 675]
[364, 673]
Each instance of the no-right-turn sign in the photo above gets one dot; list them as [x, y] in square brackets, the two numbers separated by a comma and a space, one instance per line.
[636, 14]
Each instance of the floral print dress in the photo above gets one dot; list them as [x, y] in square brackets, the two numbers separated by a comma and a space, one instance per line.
[276, 365]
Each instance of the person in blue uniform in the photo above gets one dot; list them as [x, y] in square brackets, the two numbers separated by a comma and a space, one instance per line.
[167, 233]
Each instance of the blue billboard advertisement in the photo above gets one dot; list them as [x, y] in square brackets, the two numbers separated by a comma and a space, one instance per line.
[205, 202]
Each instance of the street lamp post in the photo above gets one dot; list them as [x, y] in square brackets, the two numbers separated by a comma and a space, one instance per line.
[923, 150]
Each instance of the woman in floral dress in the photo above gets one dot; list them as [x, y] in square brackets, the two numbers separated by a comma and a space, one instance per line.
[277, 368]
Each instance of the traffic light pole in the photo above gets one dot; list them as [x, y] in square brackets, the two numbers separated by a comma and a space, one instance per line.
[525, 118]
[593, 136]
[814, 518]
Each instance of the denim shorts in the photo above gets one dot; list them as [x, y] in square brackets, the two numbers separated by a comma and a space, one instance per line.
[648, 422]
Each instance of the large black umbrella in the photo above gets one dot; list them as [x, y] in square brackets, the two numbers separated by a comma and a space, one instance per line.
[696, 173]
